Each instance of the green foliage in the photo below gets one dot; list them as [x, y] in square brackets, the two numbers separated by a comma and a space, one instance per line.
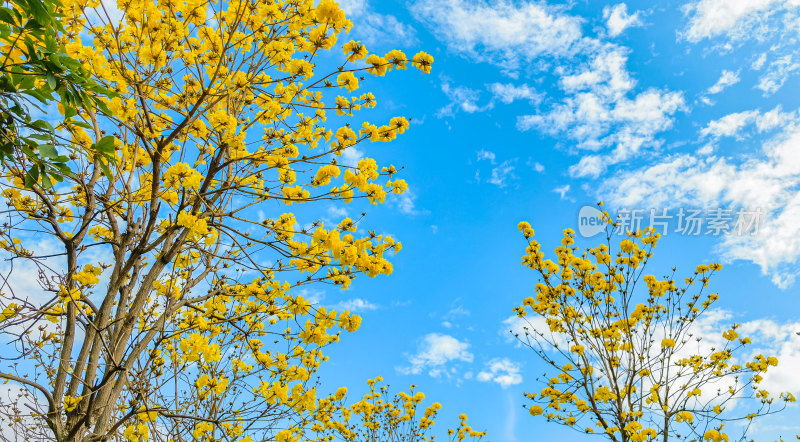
[35, 73]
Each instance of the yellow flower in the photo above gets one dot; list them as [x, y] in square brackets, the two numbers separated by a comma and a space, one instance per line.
[423, 62]
[377, 65]
[715, 436]
[70, 403]
[684, 416]
[626, 246]
[347, 80]
[354, 50]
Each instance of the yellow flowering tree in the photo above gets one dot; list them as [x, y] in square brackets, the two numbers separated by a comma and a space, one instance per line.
[624, 358]
[170, 303]
[381, 417]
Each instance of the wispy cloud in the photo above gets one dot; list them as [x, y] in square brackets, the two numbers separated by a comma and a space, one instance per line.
[507, 93]
[436, 353]
[502, 371]
[726, 79]
[735, 19]
[500, 32]
[777, 73]
[486, 155]
[356, 305]
[462, 99]
[376, 29]
[500, 174]
[562, 191]
[618, 19]
[406, 202]
[601, 111]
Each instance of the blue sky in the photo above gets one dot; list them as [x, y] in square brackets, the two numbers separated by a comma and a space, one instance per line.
[535, 109]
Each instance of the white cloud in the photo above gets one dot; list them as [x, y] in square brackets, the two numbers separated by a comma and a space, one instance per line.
[508, 93]
[768, 180]
[728, 78]
[732, 125]
[435, 353]
[773, 24]
[562, 191]
[605, 75]
[501, 371]
[313, 296]
[733, 18]
[502, 173]
[618, 19]
[466, 99]
[457, 311]
[406, 202]
[535, 165]
[377, 29]
[777, 73]
[514, 328]
[759, 62]
[500, 31]
[599, 114]
[600, 109]
[454, 317]
[336, 212]
[486, 155]
[351, 156]
[356, 305]
[729, 125]
[21, 401]
[461, 98]
[107, 13]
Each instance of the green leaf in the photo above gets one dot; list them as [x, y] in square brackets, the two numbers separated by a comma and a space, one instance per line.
[46, 183]
[33, 54]
[41, 124]
[51, 80]
[48, 151]
[32, 176]
[39, 12]
[25, 81]
[39, 95]
[6, 17]
[50, 43]
[63, 168]
[105, 146]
